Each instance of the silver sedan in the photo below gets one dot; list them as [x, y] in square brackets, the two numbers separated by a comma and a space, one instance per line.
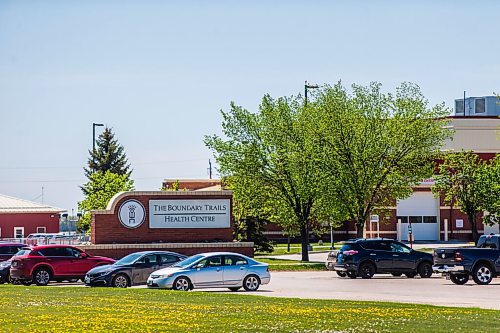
[212, 270]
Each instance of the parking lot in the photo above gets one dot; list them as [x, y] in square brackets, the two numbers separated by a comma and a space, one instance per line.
[386, 288]
[435, 290]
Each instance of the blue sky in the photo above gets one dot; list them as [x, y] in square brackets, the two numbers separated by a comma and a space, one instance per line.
[159, 72]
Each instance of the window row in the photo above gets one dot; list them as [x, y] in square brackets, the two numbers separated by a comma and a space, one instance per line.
[417, 219]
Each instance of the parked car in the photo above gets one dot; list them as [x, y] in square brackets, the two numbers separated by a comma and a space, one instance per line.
[7, 250]
[54, 263]
[482, 262]
[131, 270]
[212, 270]
[5, 267]
[366, 257]
[4, 271]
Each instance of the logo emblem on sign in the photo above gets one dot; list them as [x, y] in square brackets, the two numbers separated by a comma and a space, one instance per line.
[131, 214]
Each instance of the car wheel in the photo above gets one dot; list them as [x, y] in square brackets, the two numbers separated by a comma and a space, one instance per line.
[397, 274]
[425, 270]
[120, 281]
[411, 275]
[14, 281]
[251, 283]
[41, 277]
[482, 274]
[341, 274]
[366, 271]
[352, 274]
[234, 288]
[182, 283]
[459, 278]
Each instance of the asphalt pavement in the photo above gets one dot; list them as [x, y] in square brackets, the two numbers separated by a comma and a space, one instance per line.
[386, 288]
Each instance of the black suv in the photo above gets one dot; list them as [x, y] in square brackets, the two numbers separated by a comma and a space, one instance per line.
[366, 257]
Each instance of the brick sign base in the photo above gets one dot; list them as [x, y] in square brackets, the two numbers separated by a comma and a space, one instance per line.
[107, 228]
[112, 238]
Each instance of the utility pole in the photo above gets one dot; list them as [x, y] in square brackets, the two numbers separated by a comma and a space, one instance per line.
[464, 103]
[94, 125]
[42, 195]
[308, 86]
[209, 169]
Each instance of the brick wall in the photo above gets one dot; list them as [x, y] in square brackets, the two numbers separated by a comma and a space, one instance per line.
[107, 229]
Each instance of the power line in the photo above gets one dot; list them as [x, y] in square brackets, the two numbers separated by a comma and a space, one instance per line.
[80, 167]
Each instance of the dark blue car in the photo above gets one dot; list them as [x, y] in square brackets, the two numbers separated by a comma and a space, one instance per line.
[131, 270]
[366, 257]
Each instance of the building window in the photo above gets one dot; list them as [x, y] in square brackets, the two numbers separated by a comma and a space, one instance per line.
[404, 219]
[415, 219]
[18, 232]
[459, 106]
[430, 219]
[480, 105]
[41, 230]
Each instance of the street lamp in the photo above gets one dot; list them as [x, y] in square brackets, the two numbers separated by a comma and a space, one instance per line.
[309, 86]
[94, 125]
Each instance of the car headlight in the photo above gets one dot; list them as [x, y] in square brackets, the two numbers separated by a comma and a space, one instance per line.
[3, 266]
[161, 276]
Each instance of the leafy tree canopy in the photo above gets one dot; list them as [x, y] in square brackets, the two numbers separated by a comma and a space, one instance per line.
[101, 187]
[374, 147]
[267, 159]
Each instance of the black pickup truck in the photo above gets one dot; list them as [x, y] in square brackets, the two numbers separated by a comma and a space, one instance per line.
[481, 262]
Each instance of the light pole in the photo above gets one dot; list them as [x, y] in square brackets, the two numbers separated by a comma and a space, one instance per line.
[308, 86]
[94, 125]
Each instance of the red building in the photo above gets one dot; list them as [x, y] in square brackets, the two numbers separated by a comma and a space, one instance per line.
[19, 218]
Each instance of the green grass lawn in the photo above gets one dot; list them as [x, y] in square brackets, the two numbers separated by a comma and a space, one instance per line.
[291, 265]
[76, 309]
[296, 248]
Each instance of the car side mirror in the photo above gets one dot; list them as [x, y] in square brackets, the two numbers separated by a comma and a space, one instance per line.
[83, 255]
[197, 266]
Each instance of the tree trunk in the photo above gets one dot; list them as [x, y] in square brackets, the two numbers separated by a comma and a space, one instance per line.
[304, 237]
[475, 234]
[359, 227]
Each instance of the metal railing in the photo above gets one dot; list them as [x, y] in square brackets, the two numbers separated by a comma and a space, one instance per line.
[77, 239]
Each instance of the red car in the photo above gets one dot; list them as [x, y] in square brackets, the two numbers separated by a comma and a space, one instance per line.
[53, 263]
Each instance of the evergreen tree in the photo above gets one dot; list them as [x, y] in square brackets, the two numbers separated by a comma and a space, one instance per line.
[109, 155]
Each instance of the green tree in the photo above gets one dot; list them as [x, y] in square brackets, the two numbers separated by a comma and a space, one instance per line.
[472, 184]
[374, 147]
[251, 229]
[248, 211]
[100, 188]
[268, 154]
[109, 155]
[489, 185]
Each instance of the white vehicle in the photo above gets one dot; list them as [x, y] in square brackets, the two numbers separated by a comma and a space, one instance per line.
[212, 270]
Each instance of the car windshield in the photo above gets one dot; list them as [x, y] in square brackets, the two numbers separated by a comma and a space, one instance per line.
[130, 259]
[188, 261]
[22, 252]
